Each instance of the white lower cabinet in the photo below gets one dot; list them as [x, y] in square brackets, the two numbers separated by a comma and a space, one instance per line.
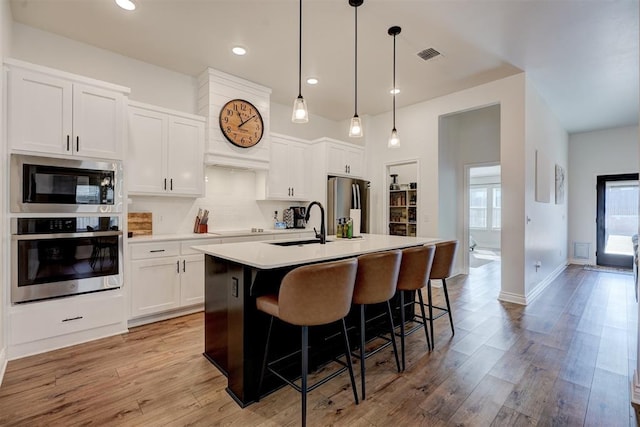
[155, 286]
[166, 276]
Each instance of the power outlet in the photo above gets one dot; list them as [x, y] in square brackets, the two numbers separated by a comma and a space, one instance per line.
[234, 287]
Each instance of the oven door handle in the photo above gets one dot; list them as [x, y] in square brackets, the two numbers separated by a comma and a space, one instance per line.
[65, 235]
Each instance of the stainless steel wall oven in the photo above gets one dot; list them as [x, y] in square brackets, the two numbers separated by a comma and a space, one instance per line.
[55, 257]
[52, 185]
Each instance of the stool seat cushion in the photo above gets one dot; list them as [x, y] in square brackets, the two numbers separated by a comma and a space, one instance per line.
[317, 294]
[415, 268]
[268, 304]
[377, 277]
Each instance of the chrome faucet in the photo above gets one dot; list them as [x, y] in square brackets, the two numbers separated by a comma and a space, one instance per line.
[323, 233]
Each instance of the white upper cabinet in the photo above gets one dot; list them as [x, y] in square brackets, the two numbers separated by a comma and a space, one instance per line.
[52, 112]
[341, 158]
[288, 170]
[165, 154]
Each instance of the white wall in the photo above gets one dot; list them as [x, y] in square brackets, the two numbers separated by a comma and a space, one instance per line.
[230, 196]
[470, 137]
[6, 25]
[604, 152]
[418, 127]
[546, 232]
[317, 127]
[148, 83]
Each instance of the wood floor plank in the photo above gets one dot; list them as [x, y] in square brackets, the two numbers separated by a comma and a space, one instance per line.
[483, 404]
[566, 359]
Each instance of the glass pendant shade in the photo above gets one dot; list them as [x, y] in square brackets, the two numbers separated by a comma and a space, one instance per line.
[394, 139]
[300, 113]
[355, 130]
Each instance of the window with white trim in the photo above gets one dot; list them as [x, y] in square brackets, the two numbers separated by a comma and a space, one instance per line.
[485, 201]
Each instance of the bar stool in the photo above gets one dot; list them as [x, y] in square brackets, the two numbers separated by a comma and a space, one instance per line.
[414, 273]
[376, 283]
[441, 270]
[311, 295]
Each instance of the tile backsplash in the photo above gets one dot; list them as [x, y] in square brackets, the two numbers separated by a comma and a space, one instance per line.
[230, 197]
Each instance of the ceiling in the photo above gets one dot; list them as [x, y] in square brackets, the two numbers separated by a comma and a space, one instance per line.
[582, 56]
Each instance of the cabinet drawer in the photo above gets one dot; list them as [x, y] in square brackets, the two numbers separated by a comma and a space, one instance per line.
[154, 250]
[185, 248]
[48, 319]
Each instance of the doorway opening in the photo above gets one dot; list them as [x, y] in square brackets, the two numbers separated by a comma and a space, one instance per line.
[403, 198]
[483, 216]
[617, 219]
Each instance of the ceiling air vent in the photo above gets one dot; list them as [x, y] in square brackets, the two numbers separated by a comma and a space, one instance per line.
[429, 53]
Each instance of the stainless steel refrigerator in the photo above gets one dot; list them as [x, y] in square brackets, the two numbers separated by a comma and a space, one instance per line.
[344, 194]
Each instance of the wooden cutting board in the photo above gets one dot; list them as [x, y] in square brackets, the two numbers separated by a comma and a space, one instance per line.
[140, 223]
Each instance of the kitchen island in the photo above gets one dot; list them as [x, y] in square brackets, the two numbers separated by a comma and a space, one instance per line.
[237, 273]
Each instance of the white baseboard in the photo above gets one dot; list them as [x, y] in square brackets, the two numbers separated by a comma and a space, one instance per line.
[3, 363]
[511, 297]
[544, 283]
[132, 323]
[528, 299]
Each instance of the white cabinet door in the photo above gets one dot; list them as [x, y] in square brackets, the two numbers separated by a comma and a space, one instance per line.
[40, 112]
[298, 168]
[146, 162]
[336, 163]
[155, 286]
[97, 122]
[185, 156]
[354, 158]
[192, 280]
[279, 185]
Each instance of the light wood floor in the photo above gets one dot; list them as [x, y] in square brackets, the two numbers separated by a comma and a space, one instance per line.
[566, 359]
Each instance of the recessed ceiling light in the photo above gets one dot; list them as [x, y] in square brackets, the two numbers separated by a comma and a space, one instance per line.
[394, 91]
[126, 4]
[312, 81]
[239, 50]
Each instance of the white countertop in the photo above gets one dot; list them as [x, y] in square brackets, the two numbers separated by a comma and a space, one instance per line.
[264, 255]
[214, 234]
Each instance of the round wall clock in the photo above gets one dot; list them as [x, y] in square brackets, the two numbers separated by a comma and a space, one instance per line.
[241, 123]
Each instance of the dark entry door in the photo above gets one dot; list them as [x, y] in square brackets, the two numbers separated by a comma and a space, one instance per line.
[617, 219]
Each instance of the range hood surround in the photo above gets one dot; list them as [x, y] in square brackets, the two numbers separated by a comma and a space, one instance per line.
[215, 88]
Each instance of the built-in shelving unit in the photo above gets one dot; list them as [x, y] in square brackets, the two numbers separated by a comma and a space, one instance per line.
[403, 211]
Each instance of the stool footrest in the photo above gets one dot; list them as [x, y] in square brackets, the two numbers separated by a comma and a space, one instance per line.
[313, 386]
[443, 311]
[368, 354]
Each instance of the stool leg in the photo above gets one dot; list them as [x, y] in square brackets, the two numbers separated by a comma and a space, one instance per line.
[393, 340]
[362, 354]
[305, 369]
[347, 354]
[264, 360]
[424, 318]
[433, 337]
[402, 328]
[446, 297]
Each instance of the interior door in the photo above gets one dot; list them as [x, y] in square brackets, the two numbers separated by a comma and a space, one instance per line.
[617, 219]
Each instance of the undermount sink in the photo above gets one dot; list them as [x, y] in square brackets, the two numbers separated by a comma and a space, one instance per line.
[297, 242]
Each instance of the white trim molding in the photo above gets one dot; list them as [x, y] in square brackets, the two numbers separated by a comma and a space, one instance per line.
[3, 363]
[531, 296]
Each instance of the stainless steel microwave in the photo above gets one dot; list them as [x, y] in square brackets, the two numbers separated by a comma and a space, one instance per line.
[53, 185]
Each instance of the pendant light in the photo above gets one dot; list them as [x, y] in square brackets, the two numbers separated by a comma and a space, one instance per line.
[394, 140]
[300, 113]
[355, 130]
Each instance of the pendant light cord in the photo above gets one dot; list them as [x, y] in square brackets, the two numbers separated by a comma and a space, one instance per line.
[394, 81]
[356, 63]
[300, 54]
